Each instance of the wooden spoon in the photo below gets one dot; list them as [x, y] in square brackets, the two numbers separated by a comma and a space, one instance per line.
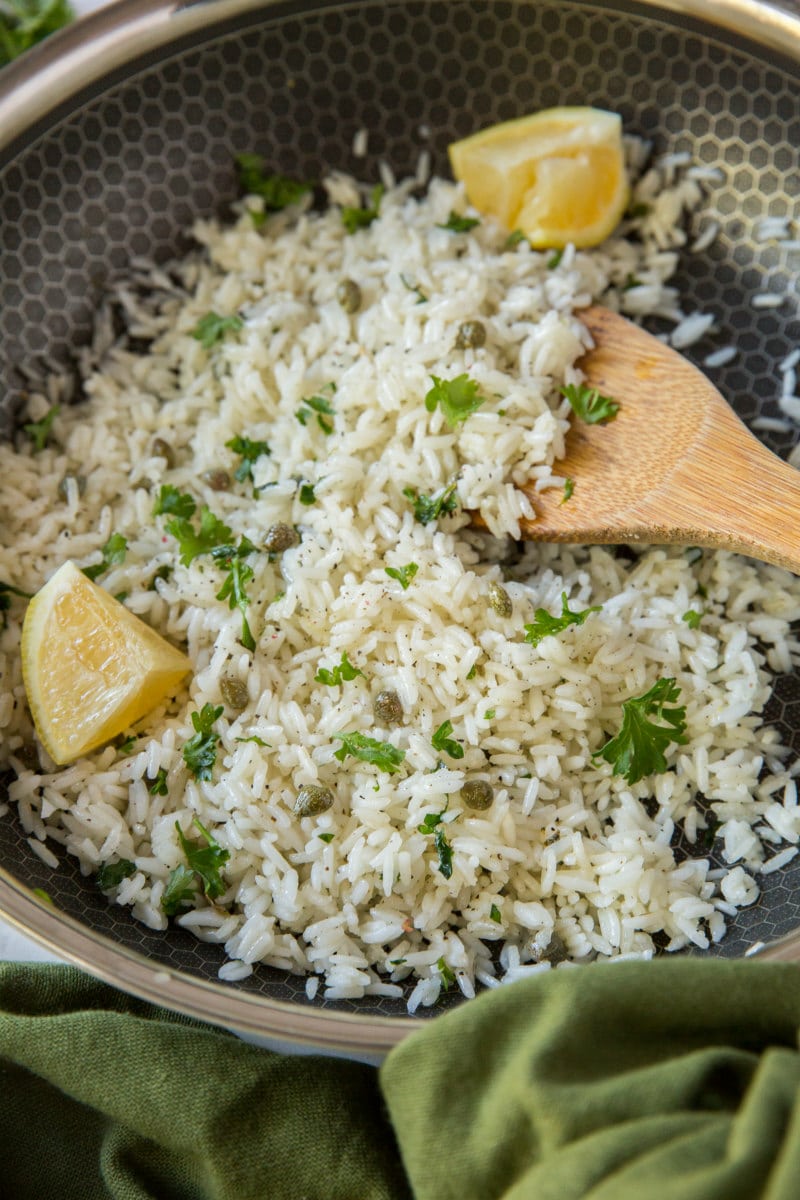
[675, 465]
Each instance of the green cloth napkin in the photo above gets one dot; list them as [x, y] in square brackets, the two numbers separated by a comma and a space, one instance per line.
[672, 1080]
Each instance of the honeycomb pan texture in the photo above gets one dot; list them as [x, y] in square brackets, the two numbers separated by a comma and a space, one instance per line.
[127, 171]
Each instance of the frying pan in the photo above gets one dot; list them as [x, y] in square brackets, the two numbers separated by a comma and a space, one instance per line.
[116, 134]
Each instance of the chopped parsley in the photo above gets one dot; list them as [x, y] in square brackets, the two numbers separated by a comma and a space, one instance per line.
[638, 210]
[212, 328]
[180, 890]
[403, 575]
[554, 260]
[494, 914]
[514, 239]
[381, 754]
[569, 488]
[249, 452]
[631, 282]
[441, 740]
[193, 541]
[255, 738]
[638, 748]
[411, 287]
[200, 752]
[431, 821]
[692, 618]
[455, 223]
[111, 875]
[127, 745]
[546, 625]
[343, 672]
[490, 714]
[326, 837]
[159, 785]
[430, 508]
[307, 495]
[41, 894]
[7, 590]
[445, 852]
[113, 553]
[457, 398]
[589, 405]
[174, 503]
[360, 218]
[239, 573]
[205, 858]
[472, 672]
[448, 978]
[39, 431]
[319, 405]
[163, 572]
[277, 191]
[23, 23]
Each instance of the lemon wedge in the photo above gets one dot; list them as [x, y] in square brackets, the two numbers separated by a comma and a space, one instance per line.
[557, 176]
[91, 668]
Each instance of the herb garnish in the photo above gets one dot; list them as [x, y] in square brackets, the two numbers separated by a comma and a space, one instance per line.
[7, 590]
[113, 552]
[212, 532]
[344, 671]
[554, 260]
[255, 738]
[277, 191]
[205, 861]
[159, 785]
[589, 405]
[174, 503]
[359, 218]
[23, 23]
[448, 978]
[326, 837]
[307, 495]
[200, 752]
[250, 453]
[441, 740]
[323, 408]
[494, 914]
[403, 575]
[111, 875]
[127, 745]
[457, 398]
[382, 754]
[212, 328]
[638, 748]
[514, 238]
[415, 288]
[692, 618]
[545, 625]
[569, 488]
[430, 508]
[39, 431]
[455, 223]
[239, 573]
[432, 823]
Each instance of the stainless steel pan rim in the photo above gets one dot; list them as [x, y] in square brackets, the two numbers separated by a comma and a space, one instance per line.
[30, 92]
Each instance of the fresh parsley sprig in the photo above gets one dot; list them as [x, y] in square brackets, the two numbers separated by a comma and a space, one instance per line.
[39, 431]
[546, 625]
[111, 875]
[456, 223]
[430, 508]
[381, 754]
[277, 191]
[442, 741]
[343, 672]
[589, 405]
[239, 573]
[638, 748]
[433, 824]
[200, 752]
[212, 328]
[249, 452]
[403, 575]
[457, 398]
[113, 553]
[319, 406]
[193, 541]
[23, 23]
[174, 503]
[204, 862]
[354, 218]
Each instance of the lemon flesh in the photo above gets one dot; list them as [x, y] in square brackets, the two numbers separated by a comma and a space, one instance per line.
[558, 176]
[91, 668]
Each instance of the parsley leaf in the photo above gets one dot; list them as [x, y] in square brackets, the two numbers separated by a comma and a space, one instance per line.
[589, 405]
[7, 590]
[457, 398]
[546, 625]
[173, 502]
[430, 508]
[344, 671]
[403, 575]
[415, 288]
[255, 738]
[323, 408]
[441, 740]
[445, 852]
[212, 328]
[430, 821]
[458, 224]
[233, 587]
[638, 748]
[448, 978]
[180, 890]
[514, 239]
[554, 260]
[39, 431]
[111, 875]
[113, 552]
[127, 745]
[359, 218]
[205, 860]
[382, 754]
[692, 618]
[307, 494]
[200, 752]
[326, 837]
[494, 914]
[277, 191]
[212, 532]
[569, 488]
[159, 785]
[250, 452]
[23, 23]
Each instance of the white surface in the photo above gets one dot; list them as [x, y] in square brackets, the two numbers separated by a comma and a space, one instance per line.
[17, 948]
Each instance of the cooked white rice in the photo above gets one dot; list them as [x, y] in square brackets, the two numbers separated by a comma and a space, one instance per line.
[569, 860]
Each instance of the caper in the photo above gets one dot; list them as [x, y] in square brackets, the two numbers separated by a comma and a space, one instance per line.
[280, 537]
[234, 692]
[348, 293]
[387, 708]
[218, 481]
[477, 794]
[162, 449]
[78, 480]
[471, 335]
[312, 800]
[499, 600]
